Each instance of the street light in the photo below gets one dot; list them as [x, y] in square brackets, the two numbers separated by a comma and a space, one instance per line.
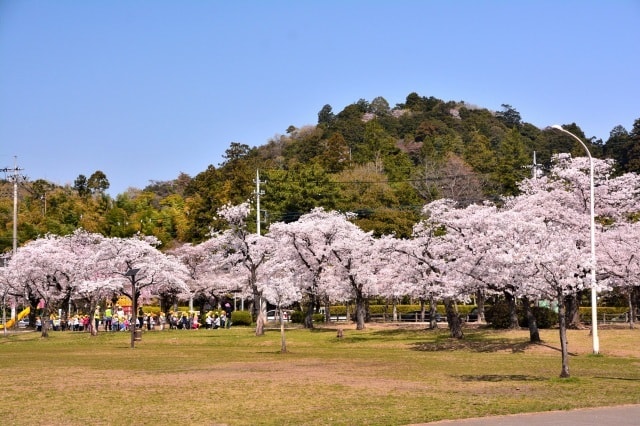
[131, 274]
[594, 291]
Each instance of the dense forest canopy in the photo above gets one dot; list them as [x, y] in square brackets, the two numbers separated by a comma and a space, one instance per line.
[382, 162]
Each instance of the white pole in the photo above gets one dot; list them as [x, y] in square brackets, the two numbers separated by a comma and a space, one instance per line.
[257, 201]
[594, 290]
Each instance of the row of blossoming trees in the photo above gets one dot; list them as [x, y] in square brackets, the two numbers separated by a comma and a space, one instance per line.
[530, 247]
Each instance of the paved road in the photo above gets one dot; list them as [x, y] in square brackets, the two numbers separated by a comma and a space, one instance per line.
[624, 415]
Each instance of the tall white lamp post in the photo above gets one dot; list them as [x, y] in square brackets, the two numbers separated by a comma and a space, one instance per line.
[594, 291]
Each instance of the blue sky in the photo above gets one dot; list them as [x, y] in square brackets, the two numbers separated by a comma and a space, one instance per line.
[144, 90]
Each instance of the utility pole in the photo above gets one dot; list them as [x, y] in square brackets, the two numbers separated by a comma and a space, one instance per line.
[14, 177]
[258, 194]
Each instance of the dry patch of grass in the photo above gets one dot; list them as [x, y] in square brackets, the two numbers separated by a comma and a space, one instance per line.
[386, 374]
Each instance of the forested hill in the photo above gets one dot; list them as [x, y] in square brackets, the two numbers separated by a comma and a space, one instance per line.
[380, 161]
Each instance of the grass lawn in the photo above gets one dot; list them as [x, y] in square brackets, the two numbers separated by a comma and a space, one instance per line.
[384, 375]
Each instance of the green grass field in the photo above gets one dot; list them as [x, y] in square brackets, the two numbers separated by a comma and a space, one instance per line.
[385, 375]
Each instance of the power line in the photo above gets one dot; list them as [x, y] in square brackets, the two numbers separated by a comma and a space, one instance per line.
[360, 182]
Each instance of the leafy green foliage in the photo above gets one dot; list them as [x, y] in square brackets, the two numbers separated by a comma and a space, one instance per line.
[379, 161]
[241, 318]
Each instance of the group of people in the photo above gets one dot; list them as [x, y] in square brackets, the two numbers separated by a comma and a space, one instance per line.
[117, 320]
[112, 319]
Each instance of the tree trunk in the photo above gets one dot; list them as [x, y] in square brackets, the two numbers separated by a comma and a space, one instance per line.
[260, 305]
[534, 333]
[433, 324]
[480, 298]
[632, 310]
[45, 322]
[562, 322]
[94, 328]
[308, 317]
[134, 318]
[260, 325]
[573, 313]
[327, 309]
[367, 311]
[395, 310]
[513, 313]
[283, 340]
[361, 311]
[453, 319]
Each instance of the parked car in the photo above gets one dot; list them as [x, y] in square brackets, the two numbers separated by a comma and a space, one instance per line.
[274, 315]
[472, 316]
[417, 316]
[23, 323]
[624, 317]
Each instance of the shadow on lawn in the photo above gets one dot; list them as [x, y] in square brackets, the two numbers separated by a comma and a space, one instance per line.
[449, 344]
[483, 341]
[633, 379]
[501, 378]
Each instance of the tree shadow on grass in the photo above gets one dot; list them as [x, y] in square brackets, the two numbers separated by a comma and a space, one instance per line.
[481, 341]
[617, 378]
[482, 346]
[333, 330]
[500, 378]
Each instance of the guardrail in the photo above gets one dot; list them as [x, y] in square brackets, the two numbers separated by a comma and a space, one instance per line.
[605, 318]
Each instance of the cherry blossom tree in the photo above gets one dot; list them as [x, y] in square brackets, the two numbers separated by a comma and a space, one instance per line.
[466, 245]
[207, 276]
[278, 284]
[416, 268]
[355, 261]
[86, 284]
[458, 245]
[619, 257]
[5, 288]
[43, 268]
[141, 271]
[564, 193]
[311, 238]
[557, 206]
[242, 254]
[618, 247]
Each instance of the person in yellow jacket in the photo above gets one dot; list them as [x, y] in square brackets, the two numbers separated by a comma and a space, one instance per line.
[96, 317]
[108, 315]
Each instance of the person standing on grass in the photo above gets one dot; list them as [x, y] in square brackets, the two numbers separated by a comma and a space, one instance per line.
[108, 316]
[162, 320]
[195, 324]
[228, 309]
[140, 318]
[184, 322]
[96, 318]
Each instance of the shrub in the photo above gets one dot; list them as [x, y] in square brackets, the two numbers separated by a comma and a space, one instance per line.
[297, 317]
[498, 315]
[545, 317]
[241, 318]
[338, 310]
[463, 310]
